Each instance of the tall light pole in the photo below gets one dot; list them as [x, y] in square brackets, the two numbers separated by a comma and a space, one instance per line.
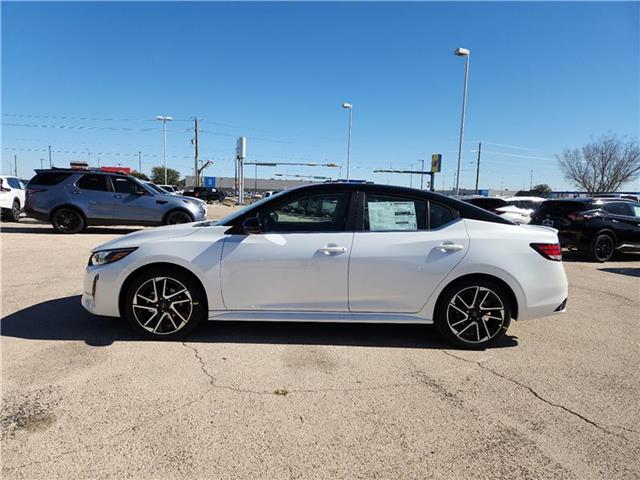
[462, 52]
[349, 107]
[164, 119]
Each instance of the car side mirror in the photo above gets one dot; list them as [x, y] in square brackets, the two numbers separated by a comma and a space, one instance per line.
[141, 191]
[251, 226]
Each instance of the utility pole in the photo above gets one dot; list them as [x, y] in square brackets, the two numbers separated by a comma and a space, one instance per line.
[195, 157]
[531, 181]
[41, 163]
[139, 161]
[15, 165]
[50, 164]
[422, 174]
[478, 166]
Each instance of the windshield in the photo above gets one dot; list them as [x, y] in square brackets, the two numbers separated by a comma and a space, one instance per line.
[155, 188]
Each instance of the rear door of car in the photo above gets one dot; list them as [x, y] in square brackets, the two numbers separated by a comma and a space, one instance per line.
[92, 193]
[403, 249]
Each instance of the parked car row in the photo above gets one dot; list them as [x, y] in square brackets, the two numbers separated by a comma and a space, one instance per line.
[208, 194]
[597, 227]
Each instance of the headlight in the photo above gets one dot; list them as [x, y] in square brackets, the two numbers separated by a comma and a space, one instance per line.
[109, 256]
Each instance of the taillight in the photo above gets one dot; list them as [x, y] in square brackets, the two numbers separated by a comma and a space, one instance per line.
[580, 217]
[550, 251]
[32, 191]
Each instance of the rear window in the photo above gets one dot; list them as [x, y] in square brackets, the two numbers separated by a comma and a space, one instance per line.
[618, 208]
[488, 203]
[49, 178]
[563, 208]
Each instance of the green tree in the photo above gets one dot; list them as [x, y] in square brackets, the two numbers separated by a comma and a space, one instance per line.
[542, 190]
[139, 175]
[157, 176]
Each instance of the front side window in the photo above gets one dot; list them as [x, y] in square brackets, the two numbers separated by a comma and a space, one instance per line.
[390, 213]
[636, 210]
[617, 208]
[125, 185]
[314, 213]
[93, 182]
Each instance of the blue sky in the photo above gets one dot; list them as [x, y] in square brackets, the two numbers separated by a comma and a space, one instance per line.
[91, 77]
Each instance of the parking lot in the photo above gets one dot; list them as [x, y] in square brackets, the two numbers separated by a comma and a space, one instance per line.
[83, 397]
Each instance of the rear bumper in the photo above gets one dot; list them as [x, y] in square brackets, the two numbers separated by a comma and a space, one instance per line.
[30, 212]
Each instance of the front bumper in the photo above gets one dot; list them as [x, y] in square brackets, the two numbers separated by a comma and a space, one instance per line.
[100, 293]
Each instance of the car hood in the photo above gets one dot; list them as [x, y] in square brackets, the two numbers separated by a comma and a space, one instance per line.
[155, 234]
[513, 209]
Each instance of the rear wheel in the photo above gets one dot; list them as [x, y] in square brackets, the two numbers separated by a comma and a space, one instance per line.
[165, 304]
[602, 247]
[14, 216]
[177, 216]
[473, 313]
[67, 220]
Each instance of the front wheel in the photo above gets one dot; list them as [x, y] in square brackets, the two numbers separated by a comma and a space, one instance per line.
[176, 217]
[165, 304]
[67, 220]
[15, 211]
[473, 314]
[602, 247]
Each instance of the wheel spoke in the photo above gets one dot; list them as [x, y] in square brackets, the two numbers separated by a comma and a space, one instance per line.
[486, 329]
[475, 297]
[148, 300]
[459, 322]
[178, 313]
[466, 328]
[466, 315]
[167, 297]
[484, 299]
[150, 318]
[458, 297]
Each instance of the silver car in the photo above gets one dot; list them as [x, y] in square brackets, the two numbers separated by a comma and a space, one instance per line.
[74, 199]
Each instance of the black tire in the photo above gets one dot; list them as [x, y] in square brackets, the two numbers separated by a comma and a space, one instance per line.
[470, 298]
[602, 247]
[175, 318]
[68, 220]
[14, 215]
[177, 216]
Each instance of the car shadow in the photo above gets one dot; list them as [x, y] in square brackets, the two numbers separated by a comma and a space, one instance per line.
[631, 272]
[65, 319]
[17, 228]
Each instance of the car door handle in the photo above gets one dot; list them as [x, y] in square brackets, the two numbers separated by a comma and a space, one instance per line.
[332, 249]
[450, 247]
[118, 196]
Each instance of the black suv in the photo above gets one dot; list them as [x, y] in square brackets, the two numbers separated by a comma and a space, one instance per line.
[208, 194]
[595, 226]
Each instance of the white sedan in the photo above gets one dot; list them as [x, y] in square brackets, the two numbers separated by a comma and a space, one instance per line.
[334, 252]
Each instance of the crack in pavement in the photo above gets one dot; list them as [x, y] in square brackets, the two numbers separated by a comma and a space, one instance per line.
[540, 397]
[215, 385]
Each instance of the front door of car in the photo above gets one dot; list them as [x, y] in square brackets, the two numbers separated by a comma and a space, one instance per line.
[401, 254]
[298, 262]
[92, 193]
[625, 219]
[133, 203]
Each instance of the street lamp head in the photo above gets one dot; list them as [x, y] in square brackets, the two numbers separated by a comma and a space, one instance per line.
[347, 105]
[164, 118]
[462, 52]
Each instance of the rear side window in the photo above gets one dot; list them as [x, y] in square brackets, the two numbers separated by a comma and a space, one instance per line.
[49, 178]
[440, 215]
[389, 213]
[93, 182]
[618, 208]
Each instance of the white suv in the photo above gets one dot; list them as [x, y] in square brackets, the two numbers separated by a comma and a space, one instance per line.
[12, 196]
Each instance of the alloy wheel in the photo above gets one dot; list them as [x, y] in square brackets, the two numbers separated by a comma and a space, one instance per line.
[162, 305]
[178, 217]
[604, 247]
[67, 220]
[475, 314]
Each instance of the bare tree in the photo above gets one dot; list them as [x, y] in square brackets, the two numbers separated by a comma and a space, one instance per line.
[601, 165]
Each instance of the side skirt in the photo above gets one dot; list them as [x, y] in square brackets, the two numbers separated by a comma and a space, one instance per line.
[330, 317]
